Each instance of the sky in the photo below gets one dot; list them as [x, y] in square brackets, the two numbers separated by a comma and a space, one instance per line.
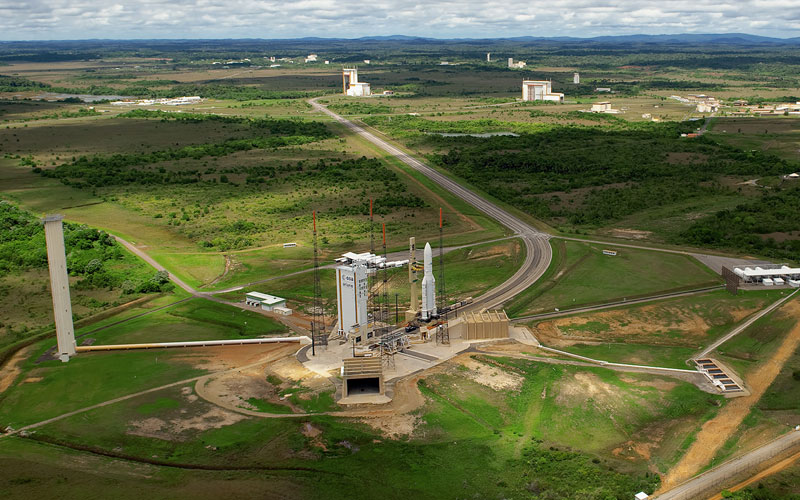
[129, 19]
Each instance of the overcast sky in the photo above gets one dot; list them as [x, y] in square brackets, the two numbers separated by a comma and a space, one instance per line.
[81, 19]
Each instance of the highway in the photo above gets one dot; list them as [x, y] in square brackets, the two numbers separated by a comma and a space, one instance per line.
[538, 251]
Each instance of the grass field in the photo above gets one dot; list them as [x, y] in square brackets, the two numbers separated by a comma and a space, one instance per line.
[54, 387]
[755, 344]
[469, 272]
[578, 268]
[495, 436]
[663, 333]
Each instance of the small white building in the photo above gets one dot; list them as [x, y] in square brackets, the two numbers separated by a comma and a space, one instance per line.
[516, 65]
[540, 90]
[576, 78]
[311, 58]
[265, 301]
[603, 107]
[641, 496]
[603, 89]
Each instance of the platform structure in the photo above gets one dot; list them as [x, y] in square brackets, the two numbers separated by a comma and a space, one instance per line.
[362, 376]
[482, 325]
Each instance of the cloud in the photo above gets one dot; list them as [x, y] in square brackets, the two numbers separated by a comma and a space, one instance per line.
[79, 19]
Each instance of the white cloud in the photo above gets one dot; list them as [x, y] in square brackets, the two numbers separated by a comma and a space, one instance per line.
[78, 19]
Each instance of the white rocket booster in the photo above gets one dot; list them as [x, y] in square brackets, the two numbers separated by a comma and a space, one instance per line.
[428, 285]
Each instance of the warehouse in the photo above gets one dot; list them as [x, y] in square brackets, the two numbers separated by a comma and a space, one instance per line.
[540, 90]
[266, 302]
[770, 275]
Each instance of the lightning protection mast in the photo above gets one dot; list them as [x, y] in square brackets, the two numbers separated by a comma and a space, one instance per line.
[442, 333]
[318, 333]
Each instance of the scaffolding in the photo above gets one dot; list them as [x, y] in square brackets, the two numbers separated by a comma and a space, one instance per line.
[389, 345]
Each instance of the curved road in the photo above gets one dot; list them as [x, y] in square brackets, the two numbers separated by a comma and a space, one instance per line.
[538, 252]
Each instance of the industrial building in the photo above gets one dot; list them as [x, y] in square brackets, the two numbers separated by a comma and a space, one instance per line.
[516, 65]
[770, 275]
[480, 325]
[603, 107]
[269, 303]
[540, 90]
[352, 292]
[351, 86]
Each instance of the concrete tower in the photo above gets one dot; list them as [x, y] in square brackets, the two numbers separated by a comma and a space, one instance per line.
[59, 285]
[428, 285]
[488, 57]
[413, 281]
[576, 78]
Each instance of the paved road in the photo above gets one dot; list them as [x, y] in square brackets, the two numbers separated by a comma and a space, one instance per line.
[713, 480]
[736, 331]
[538, 253]
[136, 251]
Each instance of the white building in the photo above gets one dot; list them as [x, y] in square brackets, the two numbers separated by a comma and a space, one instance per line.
[311, 58]
[603, 107]
[540, 90]
[352, 292]
[516, 65]
[488, 57]
[576, 78]
[351, 86]
[265, 301]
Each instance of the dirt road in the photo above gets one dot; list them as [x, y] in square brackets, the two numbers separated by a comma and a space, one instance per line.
[716, 431]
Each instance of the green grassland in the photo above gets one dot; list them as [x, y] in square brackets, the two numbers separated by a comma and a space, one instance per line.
[508, 440]
[469, 272]
[577, 268]
[663, 333]
[95, 377]
[266, 199]
[755, 344]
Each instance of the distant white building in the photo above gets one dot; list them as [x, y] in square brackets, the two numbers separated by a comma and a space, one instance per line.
[265, 301]
[602, 89]
[367, 61]
[540, 90]
[576, 78]
[488, 57]
[311, 58]
[603, 107]
[516, 65]
[351, 86]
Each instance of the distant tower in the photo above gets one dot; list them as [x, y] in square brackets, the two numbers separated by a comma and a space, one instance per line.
[576, 78]
[428, 285]
[488, 57]
[510, 62]
[413, 305]
[59, 285]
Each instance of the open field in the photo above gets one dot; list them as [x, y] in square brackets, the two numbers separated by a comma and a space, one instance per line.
[469, 272]
[493, 408]
[189, 228]
[55, 387]
[577, 268]
[663, 333]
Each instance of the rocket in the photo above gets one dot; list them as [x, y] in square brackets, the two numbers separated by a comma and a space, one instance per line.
[428, 285]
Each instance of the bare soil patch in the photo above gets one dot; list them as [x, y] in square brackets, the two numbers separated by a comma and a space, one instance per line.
[631, 234]
[716, 431]
[491, 376]
[654, 324]
[13, 368]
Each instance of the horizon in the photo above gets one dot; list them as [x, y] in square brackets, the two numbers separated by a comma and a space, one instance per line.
[400, 37]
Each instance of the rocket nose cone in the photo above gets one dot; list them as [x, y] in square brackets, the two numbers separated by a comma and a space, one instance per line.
[427, 247]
